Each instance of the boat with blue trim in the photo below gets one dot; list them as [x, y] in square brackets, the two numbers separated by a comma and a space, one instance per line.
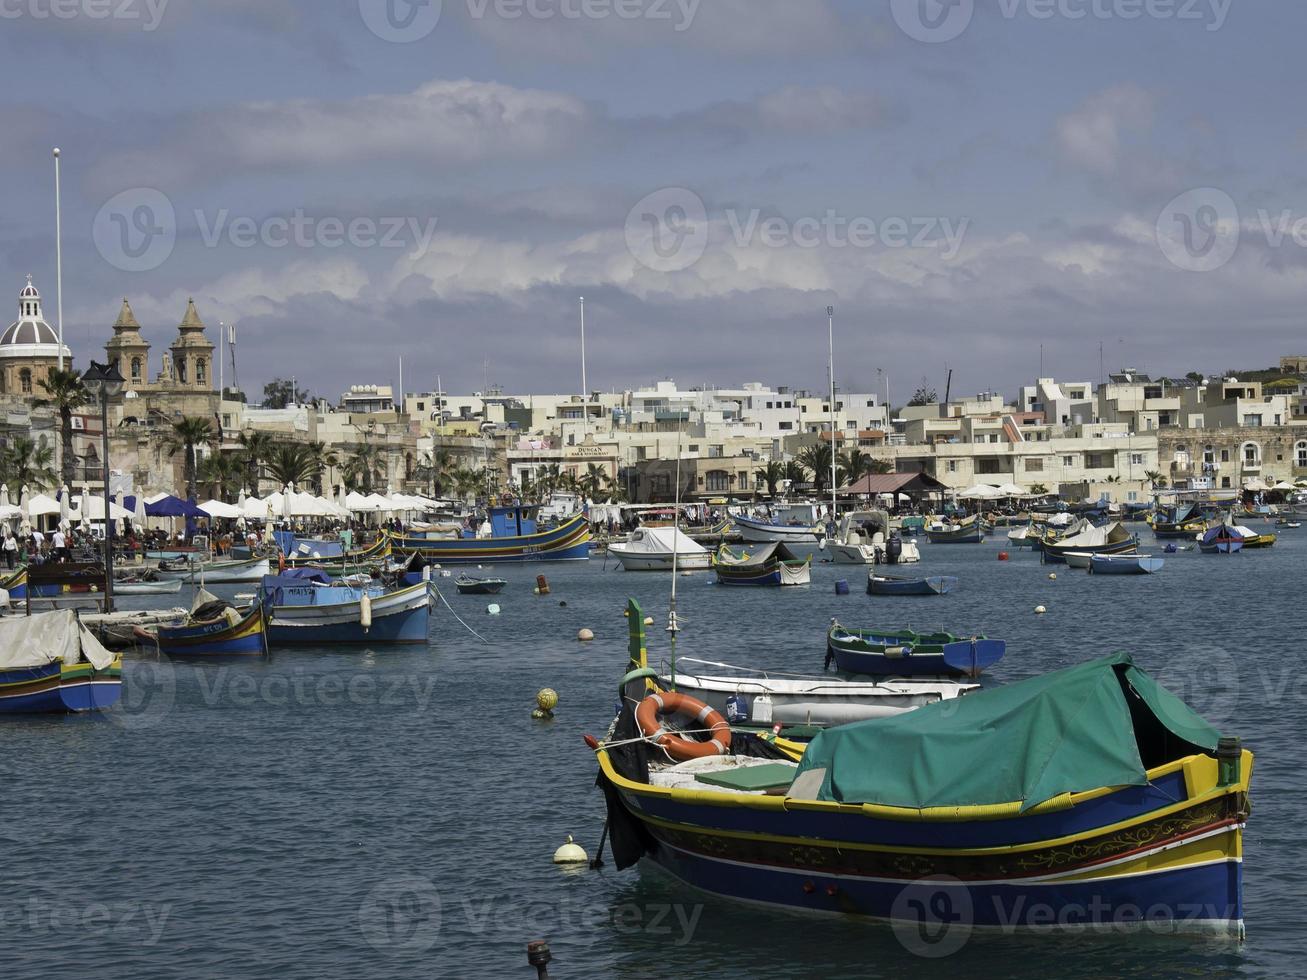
[308, 607]
[878, 584]
[1089, 798]
[215, 628]
[906, 653]
[768, 564]
[1124, 564]
[51, 663]
[512, 535]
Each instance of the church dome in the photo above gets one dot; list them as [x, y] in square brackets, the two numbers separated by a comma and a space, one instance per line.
[30, 335]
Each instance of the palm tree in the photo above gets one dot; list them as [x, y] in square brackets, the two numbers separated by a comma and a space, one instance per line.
[255, 447]
[1155, 478]
[292, 462]
[852, 466]
[881, 466]
[28, 463]
[363, 467]
[1039, 490]
[221, 474]
[795, 473]
[321, 458]
[772, 474]
[64, 390]
[816, 458]
[614, 489]
[592, 482]
[186, 434]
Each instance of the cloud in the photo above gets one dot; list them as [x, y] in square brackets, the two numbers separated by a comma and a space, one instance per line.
[1089, 138]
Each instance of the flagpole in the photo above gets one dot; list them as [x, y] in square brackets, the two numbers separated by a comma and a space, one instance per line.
[59, 262]
[585, 395]
[830, 323]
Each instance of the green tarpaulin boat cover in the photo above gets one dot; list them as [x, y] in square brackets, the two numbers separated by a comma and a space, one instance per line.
[1068, 731]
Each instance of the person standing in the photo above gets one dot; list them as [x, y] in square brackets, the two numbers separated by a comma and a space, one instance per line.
[59, 545]
[10, 549]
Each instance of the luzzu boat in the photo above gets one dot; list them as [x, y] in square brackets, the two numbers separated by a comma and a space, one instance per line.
[305, 606]
[1088, 798]
[339, 564]
[1110, 539]
[512, 536]
[212, 572]
[216, 629]
[50, 663]
[878, 584]
[905, 653]
[768, 564]
[969, 530]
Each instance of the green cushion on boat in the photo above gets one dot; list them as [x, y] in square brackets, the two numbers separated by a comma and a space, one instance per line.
[750, 778]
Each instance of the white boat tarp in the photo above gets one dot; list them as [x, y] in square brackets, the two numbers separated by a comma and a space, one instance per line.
[661, 541]
[1092, 537]
[44, 638]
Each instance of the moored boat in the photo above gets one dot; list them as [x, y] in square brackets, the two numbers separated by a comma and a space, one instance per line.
[652, 549]
[767, 564]
[867, 538]
[469, 585]
[969, 530]
[1110, 539]
[900, 585]
[1078, 559]
[308, 607]
[792, 531]
[905, 653]
[51, 663]
[1221, 539]
[215, 628]
[511, 535]
[214, 572]
[1125, 564]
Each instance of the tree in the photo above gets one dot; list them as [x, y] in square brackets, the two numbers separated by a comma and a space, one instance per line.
[221, 475]
[64, 391]
[817, 460]
[614, 489]
[795, 473]
[292, 462]
[852, 466]
[881, 466]
[924, 395]
[322, 458]
[1155, 478]
[255, 447]
[1039, 490]
[772, 474]
[364, 466]
[186, 434]
[278, 393]
[27, 463]
[592, 481]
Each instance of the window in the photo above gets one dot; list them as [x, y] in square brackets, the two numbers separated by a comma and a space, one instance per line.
[1252, 421]
[181, 370]
[1225, 455]
[1034, 465]
[25, 381]
[952, 465]
[1068, 461]
[136, 369]
[199, 371]
[786, 426]
[718, 480]
[1252, 454]
[693, 447]
[1300, 454]
[1136, 459]
[716, 452]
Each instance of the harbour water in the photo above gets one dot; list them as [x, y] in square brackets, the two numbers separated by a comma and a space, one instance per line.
[392, 813]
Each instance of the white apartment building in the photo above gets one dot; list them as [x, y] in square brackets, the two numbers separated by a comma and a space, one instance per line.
[1062, 403]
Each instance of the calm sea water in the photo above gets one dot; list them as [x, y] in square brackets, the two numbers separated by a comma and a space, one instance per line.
[392, 813]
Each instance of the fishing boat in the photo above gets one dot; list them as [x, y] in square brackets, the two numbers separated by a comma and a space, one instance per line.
[1110, 539]
[1178, 522]
[1089, 798]
[1287, 524]
[864, 537]
[510, 535]
[304, 554]
[215, 628]
[1221, 539]
[214, 572]
[468, 585]
[905, 653]
[1078, 559]
[1125, 565]
[768, 564]
[792, 524]
[900, 585]
[144, 586]
[651, 549]
[51, 663]
[1251, 539]
[969, 530]
[306, 606]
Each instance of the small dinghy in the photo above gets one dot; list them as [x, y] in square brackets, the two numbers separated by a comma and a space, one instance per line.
[896, 585]
[905, 653]
[1125, 565]
[470, 585]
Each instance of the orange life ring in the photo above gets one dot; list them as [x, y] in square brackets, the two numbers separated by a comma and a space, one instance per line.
[678, 746]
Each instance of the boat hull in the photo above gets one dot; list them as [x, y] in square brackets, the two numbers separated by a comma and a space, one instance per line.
[772, 574]
[225, 572]
[56, 689]
[635, 562]
[245, 638]
[397, 617]
[933, 585]
[1124, 565]
[761, 532]
[569, 541]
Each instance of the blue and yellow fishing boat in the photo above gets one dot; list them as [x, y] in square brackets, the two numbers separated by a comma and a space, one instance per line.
[513, 536]
[227, 634]
[50, 663]
[1087, 798]
[761, 564]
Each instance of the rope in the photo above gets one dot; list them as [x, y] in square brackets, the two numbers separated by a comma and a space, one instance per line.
[432, 587]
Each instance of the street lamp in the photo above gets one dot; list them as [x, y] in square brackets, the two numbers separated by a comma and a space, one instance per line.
[103, 382]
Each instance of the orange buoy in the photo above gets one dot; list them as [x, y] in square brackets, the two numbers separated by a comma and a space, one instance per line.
[542, 585]
[1003, 556]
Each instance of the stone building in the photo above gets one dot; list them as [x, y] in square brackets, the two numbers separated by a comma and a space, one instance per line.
[29, 348]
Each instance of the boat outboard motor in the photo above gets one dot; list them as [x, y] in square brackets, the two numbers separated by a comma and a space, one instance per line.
[894, 548]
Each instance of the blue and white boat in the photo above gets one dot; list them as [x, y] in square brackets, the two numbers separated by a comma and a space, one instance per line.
[51, 663]
[788, 523]
[906, 653]
[895, 585]
[307, 607]
[511, 534]
[1124, 565]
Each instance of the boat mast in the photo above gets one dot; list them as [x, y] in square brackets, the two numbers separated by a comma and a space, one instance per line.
[672, 627]
[830, 325]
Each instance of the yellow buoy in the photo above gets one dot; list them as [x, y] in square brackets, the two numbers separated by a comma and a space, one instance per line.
[585, 636]
[546, 702]
[571, 853]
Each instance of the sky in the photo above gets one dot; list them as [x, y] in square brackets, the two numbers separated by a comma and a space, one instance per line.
[979, 187]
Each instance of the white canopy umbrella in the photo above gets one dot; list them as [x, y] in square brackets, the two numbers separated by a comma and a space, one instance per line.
[287, 501]
[65, 507]
[155, 498]
[138, 515]
[4, 495]
[379, 502]
[1256, 485]
[357, 502]
[83, 509]
[240, 501]
[8, 512]
[1282, 485]
[1012, 490]
[92, 509]
[216, 508]
[42, 506]
[981, 491]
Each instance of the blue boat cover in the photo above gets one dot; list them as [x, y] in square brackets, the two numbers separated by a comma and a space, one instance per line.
[1098, 724]
[293, 577]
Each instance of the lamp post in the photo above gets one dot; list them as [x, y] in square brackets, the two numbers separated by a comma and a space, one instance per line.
[103, 382]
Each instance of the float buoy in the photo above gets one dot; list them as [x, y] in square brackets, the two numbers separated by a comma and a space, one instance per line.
[585, 635]
[648, 621]
[1040, 610]
[546, 702]
[1052, 576]
[1003, 556]
[365, 612]
[493, 609]
[571, 853]
[542, 585]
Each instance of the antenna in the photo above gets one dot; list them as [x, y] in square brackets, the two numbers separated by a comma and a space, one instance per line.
[231, 344]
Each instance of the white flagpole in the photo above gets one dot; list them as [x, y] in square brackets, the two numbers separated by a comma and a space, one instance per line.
[58, 259]
[830, 314]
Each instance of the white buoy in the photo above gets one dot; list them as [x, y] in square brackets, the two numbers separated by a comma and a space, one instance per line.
[493, 609]
[365, 611]
[1052, 576]
[571, 853]
[1040, 610]
[585, 636]
[648, 621]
